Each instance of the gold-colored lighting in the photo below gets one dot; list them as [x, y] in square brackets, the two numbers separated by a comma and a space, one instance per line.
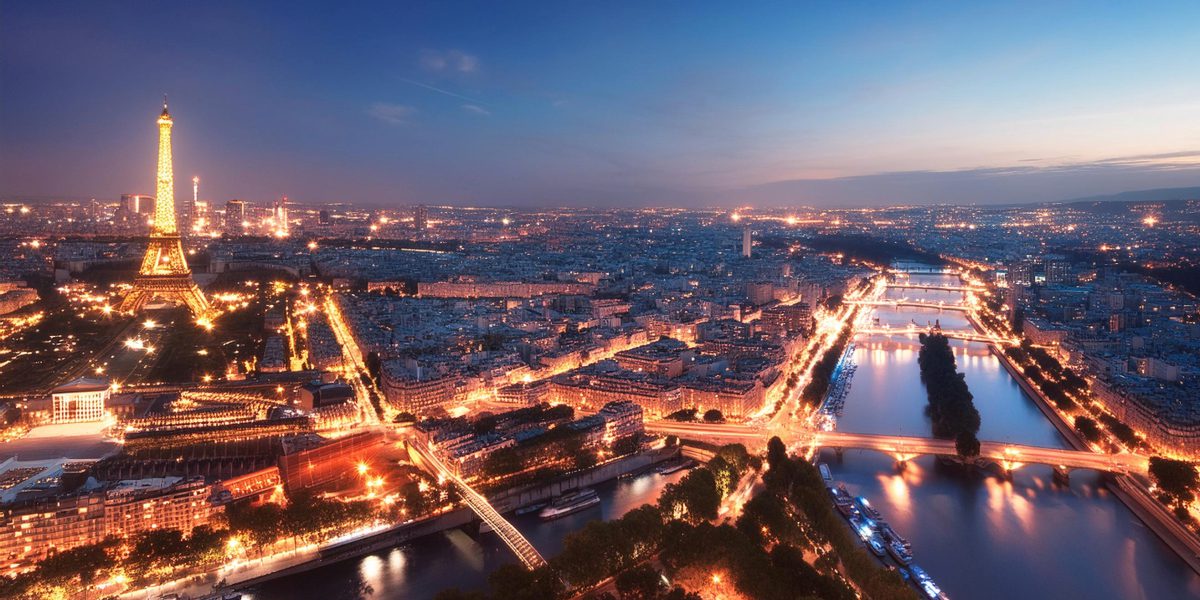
[164, 271]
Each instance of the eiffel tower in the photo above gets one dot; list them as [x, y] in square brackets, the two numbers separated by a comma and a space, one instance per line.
[164, 273]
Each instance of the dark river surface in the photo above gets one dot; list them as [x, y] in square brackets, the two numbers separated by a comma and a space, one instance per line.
[426, 566]
[978, 535]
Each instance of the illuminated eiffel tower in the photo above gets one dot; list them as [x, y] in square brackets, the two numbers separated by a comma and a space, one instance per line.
[164, 273]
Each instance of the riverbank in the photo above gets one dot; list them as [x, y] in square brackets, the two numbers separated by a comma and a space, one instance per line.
[339, 552]
[529, 494]
[251, 574]
[1131, 492]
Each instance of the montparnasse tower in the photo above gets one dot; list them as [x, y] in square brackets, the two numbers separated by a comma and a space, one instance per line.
[164, 273]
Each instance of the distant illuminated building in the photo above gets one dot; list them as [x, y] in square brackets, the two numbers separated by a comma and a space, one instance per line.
[323, 217]
[1057, 269]
[280, 216]
[79, 401]
[235, 215]
[134, 210]
[137, 203]
[1020, 273]
[187, 212]
[747, 241]
[421, 217]
[201, 223]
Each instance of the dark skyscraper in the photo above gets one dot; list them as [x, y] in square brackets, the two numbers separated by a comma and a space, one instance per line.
[235, 216]
[420, 217]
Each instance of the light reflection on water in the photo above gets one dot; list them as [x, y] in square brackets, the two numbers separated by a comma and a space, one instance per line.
[429, 565]
[977, 534]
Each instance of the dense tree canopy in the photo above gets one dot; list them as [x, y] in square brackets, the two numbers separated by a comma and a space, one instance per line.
[1176, 478]
[951, 406]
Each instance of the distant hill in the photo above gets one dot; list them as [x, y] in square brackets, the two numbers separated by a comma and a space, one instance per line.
[1155, 195]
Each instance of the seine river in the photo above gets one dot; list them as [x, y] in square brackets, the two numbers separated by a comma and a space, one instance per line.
[979, 536]
[426, 566]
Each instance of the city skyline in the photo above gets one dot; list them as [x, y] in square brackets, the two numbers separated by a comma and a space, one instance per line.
[620, 106]
[607, 301]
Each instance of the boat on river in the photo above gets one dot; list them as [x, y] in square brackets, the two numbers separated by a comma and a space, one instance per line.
[532, 508]
[868, 511]
[925, 584]
[570, 503]
[890, 535]
[672, 467]
[877, 546]
[902, 554]
[843, 501]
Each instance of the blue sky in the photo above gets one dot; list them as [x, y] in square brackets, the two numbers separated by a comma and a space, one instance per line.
[603, 103]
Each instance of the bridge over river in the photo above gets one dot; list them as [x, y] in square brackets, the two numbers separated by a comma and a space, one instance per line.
[904, 448]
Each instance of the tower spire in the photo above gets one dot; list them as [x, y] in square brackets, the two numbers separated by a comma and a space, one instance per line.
[164, 271]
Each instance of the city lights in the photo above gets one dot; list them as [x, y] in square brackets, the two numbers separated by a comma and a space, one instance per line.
[768, 302]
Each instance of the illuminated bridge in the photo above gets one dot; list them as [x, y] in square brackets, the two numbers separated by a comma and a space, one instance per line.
[904, 448]
[970, 336]
[925, 271]
[934, 288]
[1005, 455]
[912, 303]
[512, 538]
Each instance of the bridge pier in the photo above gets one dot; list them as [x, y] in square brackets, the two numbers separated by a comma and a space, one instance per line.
[1006, 469]
[840, 452]
[1062, 475]
[472, 529]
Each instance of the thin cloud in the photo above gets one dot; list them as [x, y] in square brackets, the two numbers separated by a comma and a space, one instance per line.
[477, 110]
[392, 114]
[442, 91]
[449, 61]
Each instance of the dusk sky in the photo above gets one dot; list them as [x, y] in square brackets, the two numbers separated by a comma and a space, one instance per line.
[602, 103]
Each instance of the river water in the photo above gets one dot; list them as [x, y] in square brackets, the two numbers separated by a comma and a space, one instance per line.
[426, 566]
[979, 536]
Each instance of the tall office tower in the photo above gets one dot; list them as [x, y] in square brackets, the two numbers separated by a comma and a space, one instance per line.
[235, 217]
[746, 241]
[128, 203]
[201, 222]
[1020, 273]
[1057, 269]
[420, 217]
[279, 215]
[323, 217]
[187, 214]
[137, 203]
[128, 215]
[164, 273]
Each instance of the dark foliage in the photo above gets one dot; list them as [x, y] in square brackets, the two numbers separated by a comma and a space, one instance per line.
[951, 406]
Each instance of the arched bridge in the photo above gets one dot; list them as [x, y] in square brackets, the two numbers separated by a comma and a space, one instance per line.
[925, 271]
[912, 303]
[904, 448]
[1008, 456]
[934, 288]
[970, 336]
